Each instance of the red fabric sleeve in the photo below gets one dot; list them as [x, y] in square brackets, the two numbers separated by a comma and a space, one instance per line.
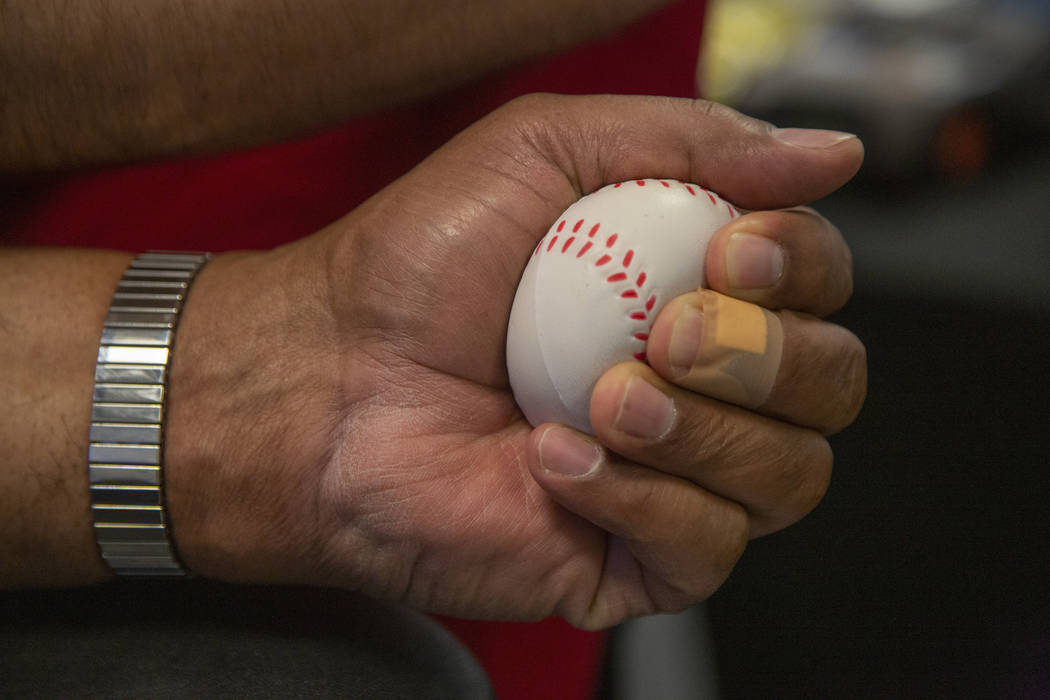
[271, 195]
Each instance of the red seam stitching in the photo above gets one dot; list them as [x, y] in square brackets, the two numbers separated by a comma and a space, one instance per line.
[628, 257]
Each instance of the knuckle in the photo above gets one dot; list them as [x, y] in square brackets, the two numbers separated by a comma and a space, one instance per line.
[702, 574]
[526, 115]
[683, 595]
[721, 563]
[804, 475]
[674, 596]
[840, 280]
[815, 479]
[637, 511]
[717, 110]
[733, 546]
[703, 435]
[850, 381]
[824, 288]
[829, 373]
[825, 282]
[534, 102]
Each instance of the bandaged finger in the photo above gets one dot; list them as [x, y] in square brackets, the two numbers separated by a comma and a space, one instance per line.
[726, 348]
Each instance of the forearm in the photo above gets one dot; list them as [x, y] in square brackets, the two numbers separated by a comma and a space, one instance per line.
[105, 80]
[242, 352]
[52, 305]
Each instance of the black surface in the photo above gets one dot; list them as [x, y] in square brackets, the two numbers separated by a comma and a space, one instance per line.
[926, 571]
[198, 639]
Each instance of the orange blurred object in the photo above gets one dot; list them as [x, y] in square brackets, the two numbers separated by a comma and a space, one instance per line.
[963, 144]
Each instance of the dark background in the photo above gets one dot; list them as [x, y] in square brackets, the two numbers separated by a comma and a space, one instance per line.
[926, 570]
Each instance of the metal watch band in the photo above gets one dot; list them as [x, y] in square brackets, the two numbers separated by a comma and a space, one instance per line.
[127, 414]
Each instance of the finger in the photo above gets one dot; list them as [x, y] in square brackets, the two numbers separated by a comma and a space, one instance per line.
[789, 366]
[680, 541]
[790, 259]
[777, 471]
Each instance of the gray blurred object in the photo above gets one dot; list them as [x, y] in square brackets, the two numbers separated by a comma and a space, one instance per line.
[670, 657]
[201, 639]
[927, 84]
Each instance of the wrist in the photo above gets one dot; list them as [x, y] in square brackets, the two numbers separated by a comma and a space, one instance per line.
[240, 431]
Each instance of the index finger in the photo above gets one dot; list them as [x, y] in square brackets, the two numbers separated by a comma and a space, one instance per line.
[789, 259]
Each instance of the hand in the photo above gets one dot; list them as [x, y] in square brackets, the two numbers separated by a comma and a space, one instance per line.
[340, 413]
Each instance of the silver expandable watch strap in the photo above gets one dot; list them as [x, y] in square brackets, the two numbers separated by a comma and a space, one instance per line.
[127, 414]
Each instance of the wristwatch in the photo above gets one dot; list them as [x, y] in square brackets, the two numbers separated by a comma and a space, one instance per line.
[125, 456]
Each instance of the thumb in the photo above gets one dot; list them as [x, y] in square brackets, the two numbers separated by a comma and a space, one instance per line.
[597, 140]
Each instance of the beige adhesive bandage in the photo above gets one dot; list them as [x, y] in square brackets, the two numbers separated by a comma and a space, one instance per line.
[740, 351]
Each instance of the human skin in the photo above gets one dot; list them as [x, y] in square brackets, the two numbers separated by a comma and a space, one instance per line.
[100, 81]
[339, 412]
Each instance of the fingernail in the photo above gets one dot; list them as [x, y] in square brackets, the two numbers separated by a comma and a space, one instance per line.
[753, 261]
[645, 411]
[812, 138]
[686, 333]
[564, 452]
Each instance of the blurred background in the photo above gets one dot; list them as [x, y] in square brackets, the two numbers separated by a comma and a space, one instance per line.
[926, 571]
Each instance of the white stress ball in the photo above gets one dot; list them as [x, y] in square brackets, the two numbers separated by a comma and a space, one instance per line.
[596, 282]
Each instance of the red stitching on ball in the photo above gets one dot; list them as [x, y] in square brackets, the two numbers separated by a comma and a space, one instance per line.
[628, 257]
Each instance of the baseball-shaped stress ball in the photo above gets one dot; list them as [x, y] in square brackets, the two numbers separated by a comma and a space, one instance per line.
[595, 284]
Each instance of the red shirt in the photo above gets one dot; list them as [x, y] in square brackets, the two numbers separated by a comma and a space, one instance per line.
[267, 196]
